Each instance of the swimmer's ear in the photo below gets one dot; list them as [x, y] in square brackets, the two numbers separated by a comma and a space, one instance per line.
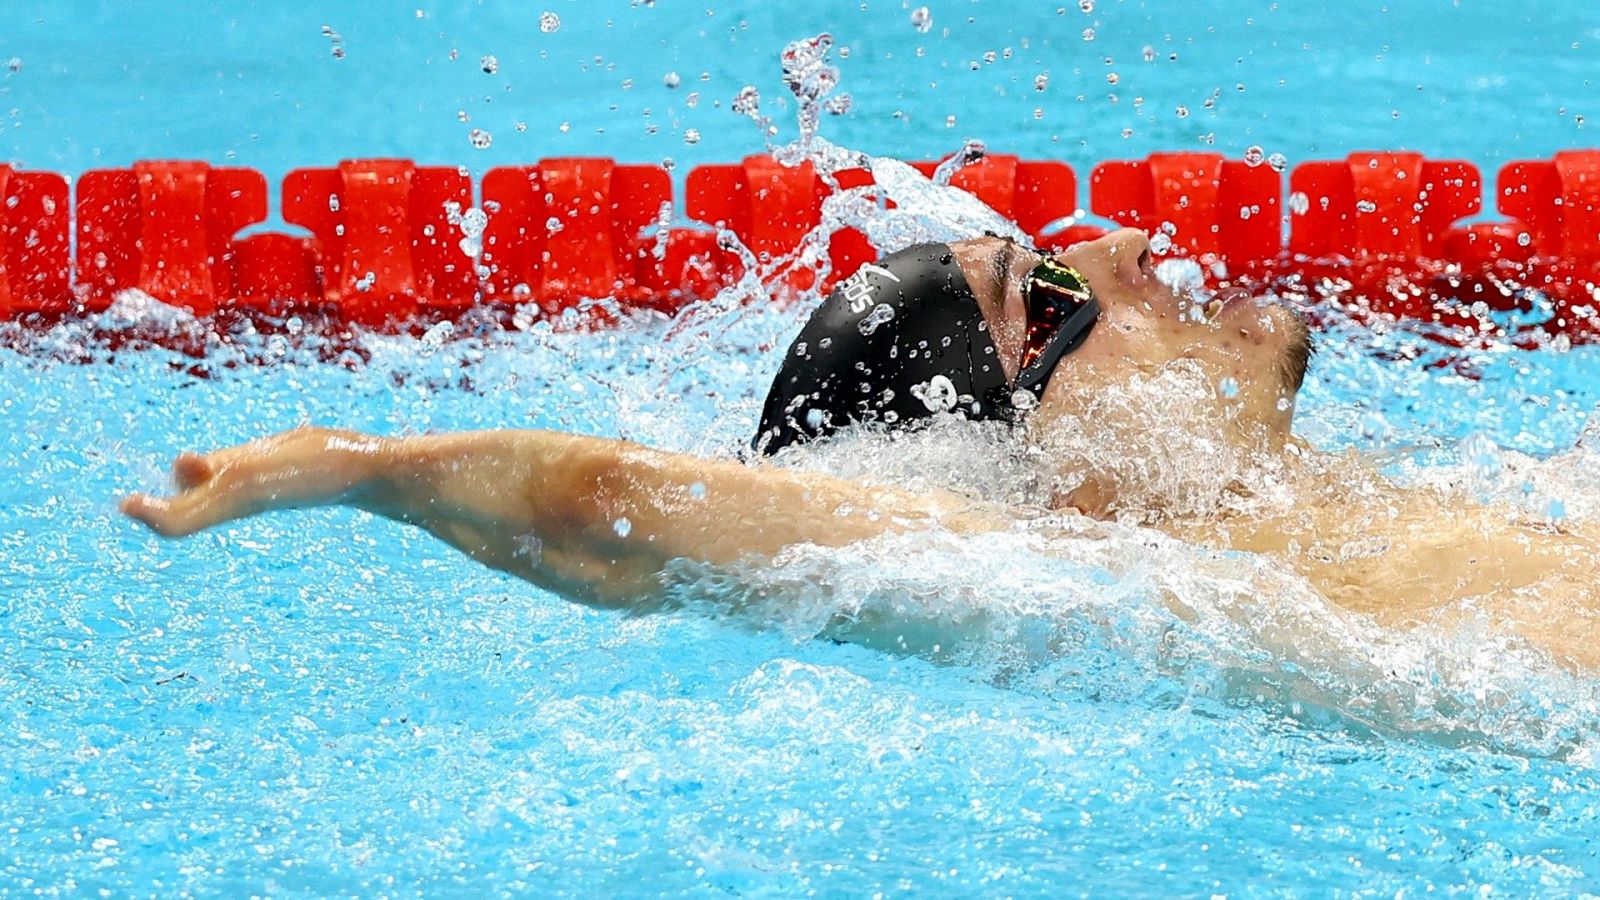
[191, 470]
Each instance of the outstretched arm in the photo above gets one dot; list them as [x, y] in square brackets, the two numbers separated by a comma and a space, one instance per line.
[592, 519]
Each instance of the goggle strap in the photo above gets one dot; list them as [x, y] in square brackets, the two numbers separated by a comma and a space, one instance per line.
[1066, 339]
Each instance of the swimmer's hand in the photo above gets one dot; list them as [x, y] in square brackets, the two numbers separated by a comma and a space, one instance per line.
[299, 468]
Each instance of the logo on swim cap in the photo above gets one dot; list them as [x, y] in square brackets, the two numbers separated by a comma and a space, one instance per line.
[857, 292]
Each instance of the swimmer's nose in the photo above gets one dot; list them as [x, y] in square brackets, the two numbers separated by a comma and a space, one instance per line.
[1123, 254]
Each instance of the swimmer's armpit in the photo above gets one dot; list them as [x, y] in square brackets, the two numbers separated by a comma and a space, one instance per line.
[592, 519]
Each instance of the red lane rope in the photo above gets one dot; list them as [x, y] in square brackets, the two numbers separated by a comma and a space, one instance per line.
[386, 242]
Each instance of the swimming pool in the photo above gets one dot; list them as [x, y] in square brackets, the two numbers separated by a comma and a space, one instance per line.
[329, 704]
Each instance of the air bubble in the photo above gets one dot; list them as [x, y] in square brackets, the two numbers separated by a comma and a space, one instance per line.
[922, 19]
[549, 22]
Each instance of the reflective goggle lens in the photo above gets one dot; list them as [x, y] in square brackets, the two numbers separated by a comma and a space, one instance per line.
[1052, 293]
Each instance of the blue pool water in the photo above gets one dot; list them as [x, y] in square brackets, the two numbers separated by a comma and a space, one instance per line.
[328, 704]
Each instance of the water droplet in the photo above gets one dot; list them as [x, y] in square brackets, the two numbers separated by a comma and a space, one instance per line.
[1168, 228]
[1183, 112]
[838, 105]
[1524, 239]
[922, 20]
[698, 490]
[553, 225]
[1366, 206]
[747, 102]
[1149, 53]
[880, 314]
[622, 527]
[549, 22]
[1254, 156]
[1038, 112]
[671, 79]
[522, 126]
[1023, 400]
[14, 65]
[1299, 203]
[1087, 6]
[1283, 404]
[938, 394]
[334, 38]
[1160, 243]
[435, 337]
[949, 121]
[480, 138]
[1127, 133]
[1088, 34]
[1041, 81]
[489, 65]
[693, 100]
[691, 135]
[1228, 388]
[1112, 78]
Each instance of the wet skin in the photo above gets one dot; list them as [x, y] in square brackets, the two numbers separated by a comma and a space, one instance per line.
[1427, 558]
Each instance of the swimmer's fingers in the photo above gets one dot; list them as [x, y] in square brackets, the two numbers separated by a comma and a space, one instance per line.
[203, 499]
[179, 516]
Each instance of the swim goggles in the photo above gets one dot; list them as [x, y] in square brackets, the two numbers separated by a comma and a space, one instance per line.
[1061, 311]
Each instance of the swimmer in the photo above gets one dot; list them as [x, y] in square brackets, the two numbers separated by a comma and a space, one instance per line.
[984, 329]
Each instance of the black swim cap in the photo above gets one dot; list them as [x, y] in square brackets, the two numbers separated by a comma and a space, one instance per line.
[900, 340]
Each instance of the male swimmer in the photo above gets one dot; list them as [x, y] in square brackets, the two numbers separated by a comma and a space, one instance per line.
[984, 329]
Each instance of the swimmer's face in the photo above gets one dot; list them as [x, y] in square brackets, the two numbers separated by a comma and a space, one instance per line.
[1252, 354]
